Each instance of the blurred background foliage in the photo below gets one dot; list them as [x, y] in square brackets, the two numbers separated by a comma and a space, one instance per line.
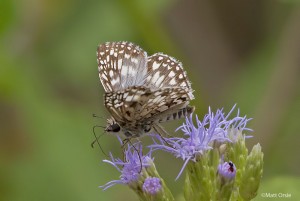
[244, 52]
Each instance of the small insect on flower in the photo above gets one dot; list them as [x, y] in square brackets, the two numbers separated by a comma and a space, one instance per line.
[141, 91]
[227, 170]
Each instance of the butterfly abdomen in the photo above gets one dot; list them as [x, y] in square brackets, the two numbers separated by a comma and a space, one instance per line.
[178, 114]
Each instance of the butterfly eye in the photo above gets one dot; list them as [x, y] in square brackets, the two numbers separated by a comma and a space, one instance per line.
[115, 128]
[147, 128]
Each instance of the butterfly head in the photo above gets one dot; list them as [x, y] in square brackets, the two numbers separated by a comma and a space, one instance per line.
[115, 128]
[112, 126]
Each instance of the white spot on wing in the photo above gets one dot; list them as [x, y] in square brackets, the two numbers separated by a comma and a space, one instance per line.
[103, 76]
[155, 77]
[155, 65]
[111, 73]
[173, 81]
[120, 63]
[128, 98]
[111, 52]
[115, 81]
[136, 98]
[159, 81]
[171, 74]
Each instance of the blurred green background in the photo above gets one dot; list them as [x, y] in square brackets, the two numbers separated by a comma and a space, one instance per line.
[244, 52]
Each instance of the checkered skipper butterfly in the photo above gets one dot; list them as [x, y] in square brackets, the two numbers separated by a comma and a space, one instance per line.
[141, 91]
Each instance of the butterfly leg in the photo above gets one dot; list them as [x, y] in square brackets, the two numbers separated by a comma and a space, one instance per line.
[128, 140]
[162, 133]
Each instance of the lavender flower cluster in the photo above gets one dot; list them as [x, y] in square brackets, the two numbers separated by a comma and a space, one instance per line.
[200, 138]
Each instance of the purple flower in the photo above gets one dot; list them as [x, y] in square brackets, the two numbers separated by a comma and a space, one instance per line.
[227, 170]
[152, 185]
[198, 139]
[130, 169]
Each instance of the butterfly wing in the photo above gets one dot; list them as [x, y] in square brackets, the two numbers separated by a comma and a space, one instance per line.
[121, 65]
[171, 88]
[140, 104]
[164, 102]
[165, 89]
[141, 90]
[126, 104]
[165, 71]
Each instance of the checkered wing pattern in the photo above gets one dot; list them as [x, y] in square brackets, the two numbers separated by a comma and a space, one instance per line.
[141, 104]
[124, 105]
[121, 65]
[164, 71]
[141, 89]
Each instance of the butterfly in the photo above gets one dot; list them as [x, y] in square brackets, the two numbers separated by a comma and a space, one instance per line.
[141, 91]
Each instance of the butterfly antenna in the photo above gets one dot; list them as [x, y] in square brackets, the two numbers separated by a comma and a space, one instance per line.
[97, 139]
[137, 151]
[124, 142]
[96, 116]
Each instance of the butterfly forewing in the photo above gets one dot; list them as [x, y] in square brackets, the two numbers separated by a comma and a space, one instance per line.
[121, 65]
[166, 71]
